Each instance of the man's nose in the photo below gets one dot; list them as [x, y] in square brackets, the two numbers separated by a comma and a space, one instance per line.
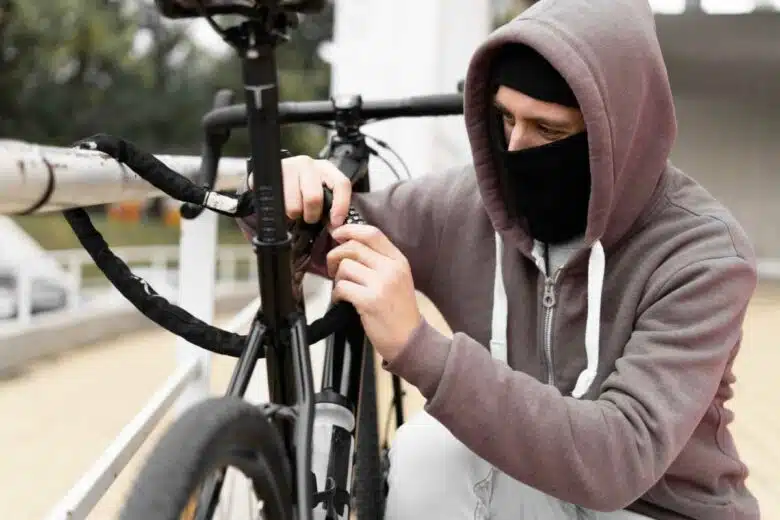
[518, 138]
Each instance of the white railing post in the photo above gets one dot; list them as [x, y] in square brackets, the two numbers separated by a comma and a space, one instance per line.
[220, 265]
[229, 272]
[73, 291]
[24, 284]
[253, 273]
[197, 284]
[159, 262]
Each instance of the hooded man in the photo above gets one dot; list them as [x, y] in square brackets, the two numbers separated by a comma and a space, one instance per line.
[596, 292]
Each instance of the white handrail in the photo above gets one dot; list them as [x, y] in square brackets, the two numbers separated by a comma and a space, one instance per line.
[188, 384]
[160, 257]
[50, 178]
[39, 179]
[141, 253]
[83, 497]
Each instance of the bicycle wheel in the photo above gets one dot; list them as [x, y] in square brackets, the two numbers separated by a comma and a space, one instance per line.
[215, 434]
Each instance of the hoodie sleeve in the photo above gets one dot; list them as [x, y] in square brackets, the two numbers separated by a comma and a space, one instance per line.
[606, 453]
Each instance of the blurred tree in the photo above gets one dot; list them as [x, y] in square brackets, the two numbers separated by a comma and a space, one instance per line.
[62, 61]
[70, 68]
[302, 76]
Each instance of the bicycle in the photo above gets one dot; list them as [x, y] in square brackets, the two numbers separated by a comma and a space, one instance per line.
[296, 472]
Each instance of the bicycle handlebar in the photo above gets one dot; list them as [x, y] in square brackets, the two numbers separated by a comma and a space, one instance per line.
[154, 171]
[234, 116]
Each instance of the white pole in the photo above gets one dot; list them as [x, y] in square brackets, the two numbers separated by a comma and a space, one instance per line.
[74, 279]
[406, 48]
[93, 485]
[197, 283]
[24, 284]
[229, 273]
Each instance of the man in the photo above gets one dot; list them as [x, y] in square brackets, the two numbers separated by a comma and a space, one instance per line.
[596, 293]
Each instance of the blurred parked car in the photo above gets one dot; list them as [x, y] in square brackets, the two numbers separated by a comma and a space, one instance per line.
[46, 295]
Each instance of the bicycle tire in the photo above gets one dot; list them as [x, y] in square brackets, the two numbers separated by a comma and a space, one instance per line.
[207, 437]
[369, 496]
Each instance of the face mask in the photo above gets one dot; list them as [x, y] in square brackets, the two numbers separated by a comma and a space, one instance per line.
[549, 185]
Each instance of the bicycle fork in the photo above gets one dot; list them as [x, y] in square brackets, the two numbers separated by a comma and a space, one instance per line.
[335, 424]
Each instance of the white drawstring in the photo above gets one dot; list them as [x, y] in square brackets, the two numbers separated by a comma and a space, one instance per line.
[593, 323]
[499, 321]
[500, 311]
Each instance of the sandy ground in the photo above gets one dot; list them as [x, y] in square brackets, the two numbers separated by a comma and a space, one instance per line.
[62, 413]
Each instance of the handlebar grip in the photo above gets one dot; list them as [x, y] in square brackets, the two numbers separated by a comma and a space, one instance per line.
[353, 217]
[327, 200]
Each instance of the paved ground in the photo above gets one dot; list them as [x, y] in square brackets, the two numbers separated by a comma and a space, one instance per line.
[60, 415]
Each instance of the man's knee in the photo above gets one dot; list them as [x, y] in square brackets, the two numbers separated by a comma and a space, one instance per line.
[424, 445]
[430, 470]
[425, 452]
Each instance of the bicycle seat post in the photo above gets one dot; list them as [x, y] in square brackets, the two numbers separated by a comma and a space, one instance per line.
[289, 369]
[257, 39]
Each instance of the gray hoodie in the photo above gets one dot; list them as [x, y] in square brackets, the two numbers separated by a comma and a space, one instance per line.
[664, 274]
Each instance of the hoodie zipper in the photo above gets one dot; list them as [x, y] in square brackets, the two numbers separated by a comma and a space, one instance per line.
[548, 302]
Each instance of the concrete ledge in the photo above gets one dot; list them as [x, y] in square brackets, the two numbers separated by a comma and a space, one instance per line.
[49, 335]
[57, 333]
[769, 269]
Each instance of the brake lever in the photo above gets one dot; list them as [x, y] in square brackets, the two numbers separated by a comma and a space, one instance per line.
[210, 155]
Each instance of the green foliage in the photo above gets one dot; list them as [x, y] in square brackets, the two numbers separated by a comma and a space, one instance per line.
[302, 76]
[71, 68]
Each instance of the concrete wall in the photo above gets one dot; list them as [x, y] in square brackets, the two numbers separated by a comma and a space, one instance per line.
[725, 74]
[732, 147]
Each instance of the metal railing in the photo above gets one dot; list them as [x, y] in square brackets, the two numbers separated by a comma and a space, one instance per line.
[197, 257]
[235, 264]
[39, 179]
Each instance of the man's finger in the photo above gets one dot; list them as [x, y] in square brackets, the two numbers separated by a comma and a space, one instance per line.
[293, 203]
[356, 294]
[311, 193]
[368, 235]
[342, 191]
[353, 271]
[355, 251]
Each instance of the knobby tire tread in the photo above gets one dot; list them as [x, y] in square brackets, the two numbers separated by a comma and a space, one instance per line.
[368, 485]
[197, 444]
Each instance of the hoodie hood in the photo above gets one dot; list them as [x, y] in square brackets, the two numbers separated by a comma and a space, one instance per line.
[608, 52]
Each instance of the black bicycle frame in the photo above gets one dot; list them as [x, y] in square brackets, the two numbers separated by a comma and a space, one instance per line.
[278, 331]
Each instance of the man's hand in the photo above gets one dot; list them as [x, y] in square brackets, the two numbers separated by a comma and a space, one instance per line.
[303, 179]
[375, 277]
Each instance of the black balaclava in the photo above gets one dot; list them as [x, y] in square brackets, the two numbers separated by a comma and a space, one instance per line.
[548, 185]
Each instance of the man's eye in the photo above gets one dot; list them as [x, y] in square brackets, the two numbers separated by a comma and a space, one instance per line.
[509, 119]
[551, 133]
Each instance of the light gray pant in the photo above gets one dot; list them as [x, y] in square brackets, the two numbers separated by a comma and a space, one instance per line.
[433, 476]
